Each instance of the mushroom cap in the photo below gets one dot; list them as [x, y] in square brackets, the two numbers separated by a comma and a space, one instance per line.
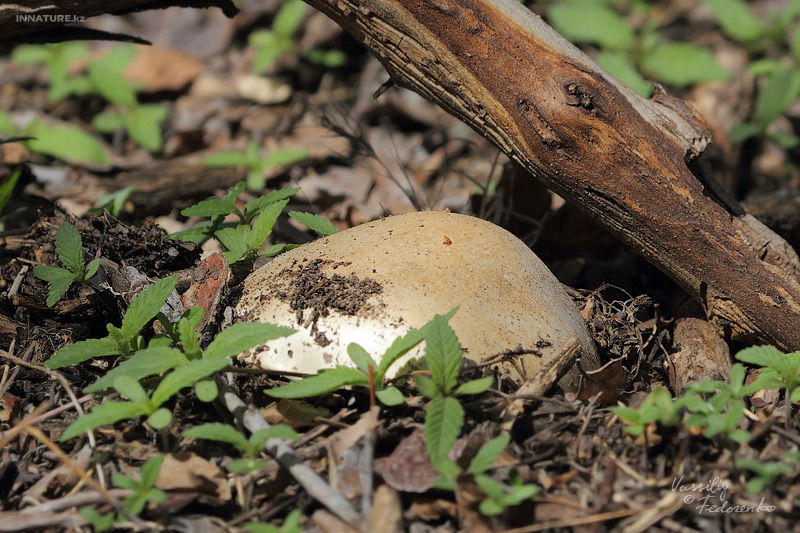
[373, 283]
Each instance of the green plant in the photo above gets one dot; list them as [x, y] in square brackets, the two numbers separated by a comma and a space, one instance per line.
[766, 473]
[69, 248]
[367, 372]
[255, 163]
[58, 59]
[499, 498]
[113, 202]
[625, 51]
[290, 525]
[143, 490]
[6, 190]
[244, 240]
[777, 37]
[62, 141]
[715, 406]
[104, 77]
[100, 522]
[314, 222]
[445, 416]
[270, 44]
[780, 371]
[251, 447]
[187, 365]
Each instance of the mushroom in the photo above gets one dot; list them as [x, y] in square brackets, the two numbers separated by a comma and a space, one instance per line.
[373, 283]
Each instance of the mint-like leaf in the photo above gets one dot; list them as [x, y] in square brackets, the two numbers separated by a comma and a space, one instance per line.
[314, 222]
[81, 351]
[240, 337]
[146, 305]
[443, 423]
[326, 381]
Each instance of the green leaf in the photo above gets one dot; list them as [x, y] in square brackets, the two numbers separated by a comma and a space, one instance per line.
[132, 390]
[144, 125]
[68, 247]
[682, 64]
[30, 54]
[207, 390]
[592, 23]
[794, 45]
[82, 351]
[777, 95]
[622, 69]
[391, 396]
[211, 208]
[254, 206]
[91, 268]
[99, 522]
[400, 347]
[124, 482]
[58, 288]
[284, 157]
[114, 202]
[314, 222]
[741, 132]
[362, 359]
[148, 362]
[7, 188]
[442, 353]
[476, 386]
[149, 471]
[427, 387]
[324, 382]
[443, 423]
[488, 454]
[220, 433]
[226, 159]
[107, 121]
[189, 338]
[253, 527]
[235, 239]
[197, 234]
[737, 19]
[244, 465]
[761, 355]
[289, 17]
[185, 376]
[146, 305]
[111, 85]
[101, 415]
[262, 227]
[65, 142]
[258, 439]
[240, 337]
[51, 273]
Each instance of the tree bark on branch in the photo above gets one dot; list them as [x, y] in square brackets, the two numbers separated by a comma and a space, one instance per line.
[635, 165]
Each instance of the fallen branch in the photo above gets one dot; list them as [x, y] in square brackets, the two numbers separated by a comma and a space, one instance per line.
[633, 164]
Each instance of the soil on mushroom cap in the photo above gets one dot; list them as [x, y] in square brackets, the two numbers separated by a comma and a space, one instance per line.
[307, 287]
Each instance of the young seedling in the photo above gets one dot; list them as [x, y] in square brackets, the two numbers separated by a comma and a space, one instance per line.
[766, 473]
[255, 163]
[143, 490]
[781, 371]
[367, 372]
[62, 141]
[251, 448]
[445, 416]
[624, 52]
[271, 44]
[242, 241]
[123, 340]
[323, 226]
[100, 522]
[58, 59]
[69, 248]
[290, 525]
[658, 406]
[499, 498]
[113, 202]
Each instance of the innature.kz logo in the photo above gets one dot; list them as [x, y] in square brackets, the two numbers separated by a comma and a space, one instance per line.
[50, 18]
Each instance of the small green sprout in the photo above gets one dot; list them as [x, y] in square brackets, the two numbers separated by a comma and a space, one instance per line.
[143, 490]
[766, 473]
[69, 248]
[499, 498]
[113, 202]
[271, 44]
[251, 447]
[100, 522]
[290, 525]
[255, 163]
